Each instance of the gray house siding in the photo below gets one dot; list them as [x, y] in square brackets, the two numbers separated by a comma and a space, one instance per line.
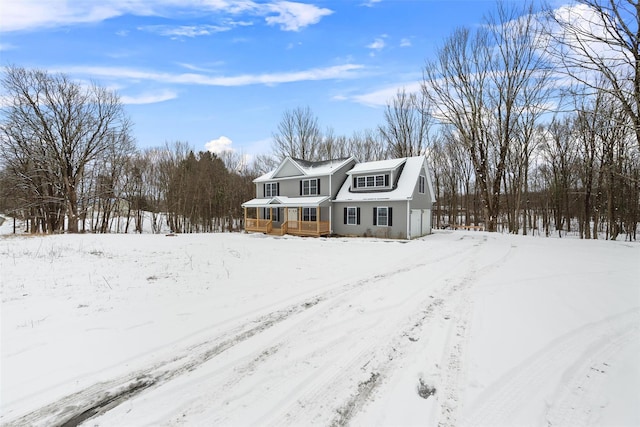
[366, 228]
[339, 177]
[288, 169]
[291, 186]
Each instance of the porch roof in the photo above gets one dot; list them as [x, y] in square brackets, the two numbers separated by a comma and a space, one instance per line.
[287, 202]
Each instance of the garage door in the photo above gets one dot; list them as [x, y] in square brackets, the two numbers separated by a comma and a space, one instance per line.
[416, 223]
[426, 222]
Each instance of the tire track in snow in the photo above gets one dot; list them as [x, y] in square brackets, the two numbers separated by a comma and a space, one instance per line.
[507, 395]
[576, 397]
[375, 361]
[104, 396]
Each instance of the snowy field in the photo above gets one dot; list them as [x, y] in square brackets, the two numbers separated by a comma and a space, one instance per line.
[455, 329]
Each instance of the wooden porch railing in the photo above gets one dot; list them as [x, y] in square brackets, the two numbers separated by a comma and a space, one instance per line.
[308, 228]
[298, 228]
[259, 225]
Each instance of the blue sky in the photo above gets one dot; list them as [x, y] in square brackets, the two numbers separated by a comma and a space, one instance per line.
[222, 72]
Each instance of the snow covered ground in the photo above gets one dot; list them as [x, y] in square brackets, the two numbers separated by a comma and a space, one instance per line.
[457, 328]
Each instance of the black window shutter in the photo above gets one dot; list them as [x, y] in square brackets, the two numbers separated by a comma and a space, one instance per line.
[358, 216]
[318, 186]
[375, 216]
[355, 182]
[264, 190]
[345, 215]
[301, 188]
[278, 189]
[390, 217]
[386, 180]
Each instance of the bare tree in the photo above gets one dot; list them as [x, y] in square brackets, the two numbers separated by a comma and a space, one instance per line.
[367, 145]
[407, 123]
[598, 41]
[487, 86]
[298, 135]
[61, 126]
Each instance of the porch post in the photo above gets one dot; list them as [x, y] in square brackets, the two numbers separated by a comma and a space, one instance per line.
[318, 220]
[245, 218]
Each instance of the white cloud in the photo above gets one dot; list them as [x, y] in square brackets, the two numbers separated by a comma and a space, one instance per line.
[377, 44]
[380, 97]
[313, 74]
[371, 3]
[6, 46]
[32, 14]
[293, 16]
[220, 145]
[149, 98]
[185, 30]
[405, 42]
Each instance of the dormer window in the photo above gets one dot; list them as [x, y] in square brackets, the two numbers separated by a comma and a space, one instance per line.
[371, 181]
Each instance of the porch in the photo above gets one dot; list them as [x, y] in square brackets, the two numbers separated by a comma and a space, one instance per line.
[300, 216]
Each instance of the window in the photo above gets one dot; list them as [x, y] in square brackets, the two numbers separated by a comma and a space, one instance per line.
[352, 216]
[271, 189]
[310, 187]
[382, 216]
[371, 181]
[421, 184]
[266, 214]
[309, 214]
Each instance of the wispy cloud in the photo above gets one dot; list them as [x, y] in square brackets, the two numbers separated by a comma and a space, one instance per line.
[377, 45]
[380, 97]
[293, 16]
[184, 30]
[405, 42]
[328, 73]
[370, 3]
[33, 14]
[149, 98]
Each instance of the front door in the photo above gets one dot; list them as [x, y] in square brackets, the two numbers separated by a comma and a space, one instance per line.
[292, 217]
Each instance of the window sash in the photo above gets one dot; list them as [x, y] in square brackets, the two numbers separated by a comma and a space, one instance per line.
[352, 216]
[371, 181]
[310, 187]
[271, 189]
[422, 184]
[309, 214]
[383, 216]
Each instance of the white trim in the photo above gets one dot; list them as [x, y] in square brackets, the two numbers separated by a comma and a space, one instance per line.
[315, 180]
[355, 215]
[386, 208]
[408, 220]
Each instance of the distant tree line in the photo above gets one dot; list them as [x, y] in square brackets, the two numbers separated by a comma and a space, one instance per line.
[531, 126]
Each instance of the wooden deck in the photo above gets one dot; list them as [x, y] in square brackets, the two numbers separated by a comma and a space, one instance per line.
[296, 228]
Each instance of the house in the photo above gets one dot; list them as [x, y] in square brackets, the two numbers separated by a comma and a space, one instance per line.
[387, 198]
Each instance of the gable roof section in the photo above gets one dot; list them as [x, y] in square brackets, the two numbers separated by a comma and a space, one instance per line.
[306, 168]
[413, 167]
